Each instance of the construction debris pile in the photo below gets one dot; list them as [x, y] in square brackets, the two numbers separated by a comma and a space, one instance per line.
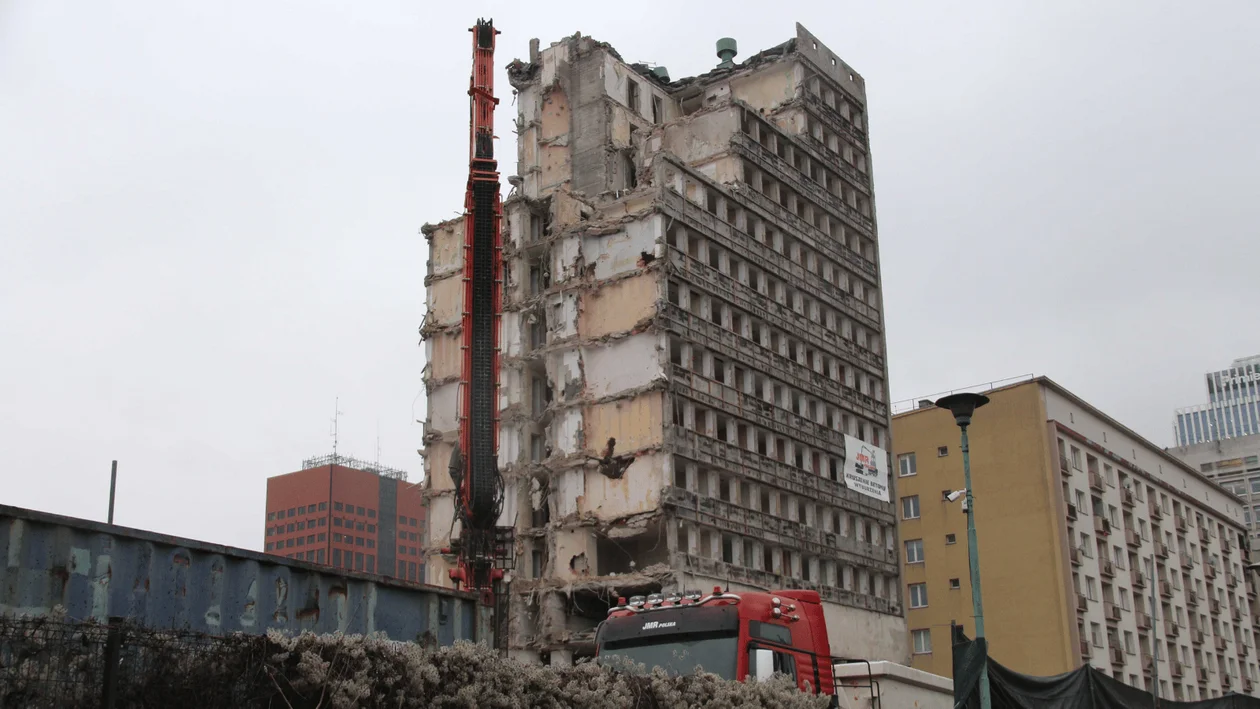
[49, 663]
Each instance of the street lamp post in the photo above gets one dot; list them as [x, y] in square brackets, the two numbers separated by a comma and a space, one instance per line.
[962, 406]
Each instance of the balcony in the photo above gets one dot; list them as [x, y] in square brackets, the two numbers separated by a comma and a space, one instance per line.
[1187, 562]
[1196, 636]
[1131, 538]
[1082, 603]
[1247, 685]
[1243, 649]
[1231, 581]
[1102, 526]
[1127, 497]
[1226, 681]
[1138, 578]
[1175, 668]
[1161, 549]
[1106, 568]
[1143, 621]
[1180, 521]
[1203, 535]
[1226, 547]
[1111, 611]
[1202, 674]
[1147, 662]
[1209, 571]
[1165, 589]
[1096, 482]
[1192, 598]
[1219, 643]
[1235, 612]
[1117, 655]
[1072, 514]
[1087, 651]
[1171, 629]
[1214, 605]
[1064, 466]
[1251, 589]
[1153, 507]
[1075, 555]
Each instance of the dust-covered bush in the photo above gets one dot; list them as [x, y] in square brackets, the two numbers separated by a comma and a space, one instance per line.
[311, 671]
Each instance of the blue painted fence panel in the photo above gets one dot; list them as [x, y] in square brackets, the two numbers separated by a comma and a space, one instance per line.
[99, 571]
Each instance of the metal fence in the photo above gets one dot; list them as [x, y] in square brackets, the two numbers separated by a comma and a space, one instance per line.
[47, 663]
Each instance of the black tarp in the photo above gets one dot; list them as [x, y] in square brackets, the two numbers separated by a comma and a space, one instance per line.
[1083, 688]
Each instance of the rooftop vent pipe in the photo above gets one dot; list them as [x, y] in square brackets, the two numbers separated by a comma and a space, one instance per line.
[726, 51]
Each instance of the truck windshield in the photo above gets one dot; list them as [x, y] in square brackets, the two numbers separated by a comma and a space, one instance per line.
[681, 654]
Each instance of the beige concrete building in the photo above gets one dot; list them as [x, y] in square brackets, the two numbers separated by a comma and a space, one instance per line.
[1072, 508]
[1234, 463]
[692, 270]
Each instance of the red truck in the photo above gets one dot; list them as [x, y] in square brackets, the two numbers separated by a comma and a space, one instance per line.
[733, 635]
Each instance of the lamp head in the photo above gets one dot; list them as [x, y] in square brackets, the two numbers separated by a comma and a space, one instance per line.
[962, 406]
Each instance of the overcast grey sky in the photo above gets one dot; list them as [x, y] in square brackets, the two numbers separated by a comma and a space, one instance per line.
[210, 214]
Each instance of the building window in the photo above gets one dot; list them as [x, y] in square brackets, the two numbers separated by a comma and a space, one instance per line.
[1076, 457]
[292, 511]
[337, 507]
[371, 564]
[322, 536]
[301, 541]
[280, 514]
[270, 546]
[914, 551]
[922, 641]
[288, 542]
[910, 507]
[270, 531]
[358, 561]
[906, 464]
[302, 509]
[942, 451]
[402, 519]
[358, 541]
[301, 524]
[371, 543]
[955, 584]
[271, 516]
[918, 595]
[310, 539]
[323, 521]
[320, 556]
[336, 557]
[336, 536]
[371, 528]
[950, 539]
[336, 521]
[359, 511]
[632, 95]
[323, 506]
[291, 526]
[358, 526]
[371, 514]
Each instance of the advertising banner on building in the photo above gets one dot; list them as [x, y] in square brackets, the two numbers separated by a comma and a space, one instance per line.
[866, 468]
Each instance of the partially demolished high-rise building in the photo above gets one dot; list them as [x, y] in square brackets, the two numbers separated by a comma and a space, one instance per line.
[694, 387]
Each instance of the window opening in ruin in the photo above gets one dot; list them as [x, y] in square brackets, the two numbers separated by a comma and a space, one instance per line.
[629, 170]
[658, 109]
[721, 428]
[632, 95]
[674, 295]
[535, 448]
[680, 476]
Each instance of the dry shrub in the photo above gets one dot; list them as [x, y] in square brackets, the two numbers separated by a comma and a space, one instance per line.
[311, 671]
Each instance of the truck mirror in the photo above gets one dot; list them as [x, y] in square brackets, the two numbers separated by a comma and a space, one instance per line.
[763, 664]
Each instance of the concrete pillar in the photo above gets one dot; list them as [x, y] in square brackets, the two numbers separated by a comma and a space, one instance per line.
[693, 540]
[692, 473]
[796, 565]
[715, 545]
[776, 559]
[759, 556]
[561, 658]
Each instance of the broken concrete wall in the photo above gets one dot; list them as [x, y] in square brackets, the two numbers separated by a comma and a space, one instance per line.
[629, 363]
[620, 306]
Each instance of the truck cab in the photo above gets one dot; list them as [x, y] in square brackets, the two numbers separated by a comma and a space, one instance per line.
[733, 635]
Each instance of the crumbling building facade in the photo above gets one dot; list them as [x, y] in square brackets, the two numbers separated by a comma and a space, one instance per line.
[692, 326]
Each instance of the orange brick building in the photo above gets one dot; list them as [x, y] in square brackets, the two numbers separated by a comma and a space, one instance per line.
[349, 514]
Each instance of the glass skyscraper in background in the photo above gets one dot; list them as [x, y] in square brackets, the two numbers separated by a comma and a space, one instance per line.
[1233, 407]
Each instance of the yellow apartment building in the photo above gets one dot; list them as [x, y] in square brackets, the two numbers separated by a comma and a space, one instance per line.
[1078, 519]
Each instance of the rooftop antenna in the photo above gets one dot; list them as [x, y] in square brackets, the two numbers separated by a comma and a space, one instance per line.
[336, 420]
[378, 444]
